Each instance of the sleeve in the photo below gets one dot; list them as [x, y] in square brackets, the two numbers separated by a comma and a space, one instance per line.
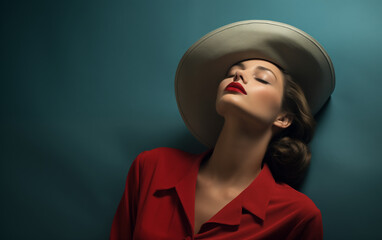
[124, 219]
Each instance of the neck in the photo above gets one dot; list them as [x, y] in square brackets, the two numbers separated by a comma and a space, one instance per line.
[238, 153]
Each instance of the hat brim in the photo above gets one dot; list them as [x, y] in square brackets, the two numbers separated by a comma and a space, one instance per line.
[205, 63]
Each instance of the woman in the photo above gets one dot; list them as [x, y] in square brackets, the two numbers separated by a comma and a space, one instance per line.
[257, 126]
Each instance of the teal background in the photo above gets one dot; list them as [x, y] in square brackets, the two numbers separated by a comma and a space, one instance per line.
[87, 85]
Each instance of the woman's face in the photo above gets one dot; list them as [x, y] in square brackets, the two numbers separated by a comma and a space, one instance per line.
[263, 84]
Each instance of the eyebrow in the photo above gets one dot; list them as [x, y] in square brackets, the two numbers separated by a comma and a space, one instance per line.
[241, 65]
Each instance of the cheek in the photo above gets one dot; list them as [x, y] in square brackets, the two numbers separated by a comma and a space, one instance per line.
[221, 87]
[267, 99]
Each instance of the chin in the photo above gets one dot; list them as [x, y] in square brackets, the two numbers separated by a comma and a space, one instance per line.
[225, 103]
[220, 109]
[232, 108]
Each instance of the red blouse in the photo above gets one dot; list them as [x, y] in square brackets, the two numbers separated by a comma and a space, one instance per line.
[158, 203]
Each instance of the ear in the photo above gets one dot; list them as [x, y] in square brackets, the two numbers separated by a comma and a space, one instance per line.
[283, 120]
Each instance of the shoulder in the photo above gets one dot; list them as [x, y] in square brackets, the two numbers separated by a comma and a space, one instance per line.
[303, 216]
[161, 152]
[295, 201]
[164, 155]
[165, 161]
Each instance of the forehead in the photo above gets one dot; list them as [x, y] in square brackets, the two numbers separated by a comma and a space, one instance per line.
[249, 63]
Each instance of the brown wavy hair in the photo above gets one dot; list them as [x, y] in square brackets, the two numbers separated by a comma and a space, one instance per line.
[288, 154]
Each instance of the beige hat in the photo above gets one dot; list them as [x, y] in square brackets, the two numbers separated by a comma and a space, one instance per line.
[205, 63]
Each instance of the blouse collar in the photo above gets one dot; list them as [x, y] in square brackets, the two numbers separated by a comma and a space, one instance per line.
[254, 198]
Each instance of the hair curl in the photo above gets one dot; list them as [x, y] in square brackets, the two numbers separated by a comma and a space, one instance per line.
[288, 154]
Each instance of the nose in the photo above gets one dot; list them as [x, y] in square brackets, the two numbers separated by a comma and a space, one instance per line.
[239, 75]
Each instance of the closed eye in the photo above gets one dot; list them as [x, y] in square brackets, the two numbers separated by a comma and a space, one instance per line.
[262, 81]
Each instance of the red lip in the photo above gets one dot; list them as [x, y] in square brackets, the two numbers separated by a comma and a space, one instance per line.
[236, 87]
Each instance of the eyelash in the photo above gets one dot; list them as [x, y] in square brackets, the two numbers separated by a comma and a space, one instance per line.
[262, 81]
[258, 79]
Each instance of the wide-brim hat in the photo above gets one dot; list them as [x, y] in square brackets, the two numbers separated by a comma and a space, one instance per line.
[206, 62]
